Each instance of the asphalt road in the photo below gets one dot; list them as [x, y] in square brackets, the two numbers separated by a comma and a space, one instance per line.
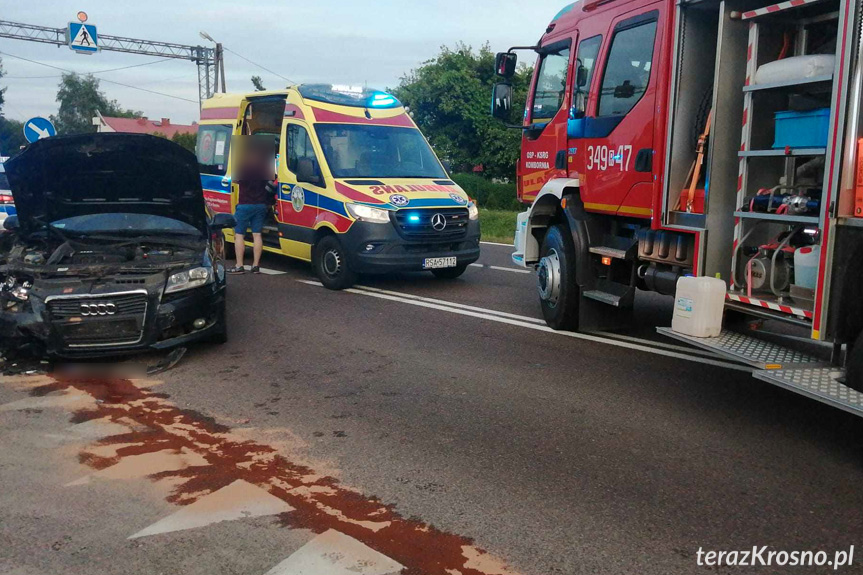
[435, 427]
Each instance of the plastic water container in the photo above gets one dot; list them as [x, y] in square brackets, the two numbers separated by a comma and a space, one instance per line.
[806, 266]
[698, 306]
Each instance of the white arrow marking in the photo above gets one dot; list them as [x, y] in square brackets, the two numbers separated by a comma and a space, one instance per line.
[334, 553]
[42, 133]
[137, 466]
[238, 500]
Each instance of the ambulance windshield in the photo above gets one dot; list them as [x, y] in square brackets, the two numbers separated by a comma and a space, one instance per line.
[363, 151]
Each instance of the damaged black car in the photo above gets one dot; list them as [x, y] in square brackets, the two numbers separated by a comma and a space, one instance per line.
[113, 250]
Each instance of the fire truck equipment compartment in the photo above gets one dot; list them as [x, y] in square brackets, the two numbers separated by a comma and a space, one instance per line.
[802, 129]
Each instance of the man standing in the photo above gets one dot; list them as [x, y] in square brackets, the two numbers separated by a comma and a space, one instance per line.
[253, 203]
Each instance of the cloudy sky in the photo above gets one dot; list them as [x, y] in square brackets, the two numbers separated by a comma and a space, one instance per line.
[343, 41]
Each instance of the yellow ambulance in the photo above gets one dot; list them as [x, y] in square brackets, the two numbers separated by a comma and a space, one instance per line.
[359, 188]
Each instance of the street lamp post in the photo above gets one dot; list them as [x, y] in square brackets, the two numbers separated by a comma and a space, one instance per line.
[219, 63]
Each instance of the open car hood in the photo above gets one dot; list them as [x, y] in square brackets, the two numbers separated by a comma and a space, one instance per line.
[67, 176]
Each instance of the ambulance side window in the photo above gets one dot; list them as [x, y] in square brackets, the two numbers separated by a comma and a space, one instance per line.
[628, 67]
[302, 161]
[212, 149]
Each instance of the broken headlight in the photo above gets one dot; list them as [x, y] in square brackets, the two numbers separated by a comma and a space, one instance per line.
[13, 292]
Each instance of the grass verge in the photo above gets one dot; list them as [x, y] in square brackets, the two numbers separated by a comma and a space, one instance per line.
[497, 225]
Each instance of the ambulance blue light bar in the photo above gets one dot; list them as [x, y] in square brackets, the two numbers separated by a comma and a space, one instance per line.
[345, 95]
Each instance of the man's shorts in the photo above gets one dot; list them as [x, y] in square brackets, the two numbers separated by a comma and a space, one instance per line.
[250, 217]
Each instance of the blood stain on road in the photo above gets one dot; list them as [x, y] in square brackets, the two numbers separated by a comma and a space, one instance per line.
[319, 503]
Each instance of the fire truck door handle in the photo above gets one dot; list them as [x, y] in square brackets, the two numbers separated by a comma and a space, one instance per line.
[560, 160]
[644, 160]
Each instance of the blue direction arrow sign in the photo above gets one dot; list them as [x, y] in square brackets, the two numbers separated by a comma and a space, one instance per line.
[83, 38]
[38, 128]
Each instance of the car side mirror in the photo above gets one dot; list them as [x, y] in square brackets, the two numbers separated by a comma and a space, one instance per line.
[505, 64]
[581, 76]
[222, 221]
[501, 103]
[11, 224]
[625, 90]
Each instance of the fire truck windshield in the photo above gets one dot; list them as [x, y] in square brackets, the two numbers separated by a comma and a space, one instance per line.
[362, 151]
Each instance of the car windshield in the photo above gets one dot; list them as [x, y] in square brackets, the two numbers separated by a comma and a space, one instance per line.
[124, 224]
[363, 151]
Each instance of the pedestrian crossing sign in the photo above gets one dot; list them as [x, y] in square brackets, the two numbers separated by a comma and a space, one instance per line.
[82, 38]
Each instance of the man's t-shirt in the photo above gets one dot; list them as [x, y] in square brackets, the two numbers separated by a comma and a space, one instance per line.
[253, 192]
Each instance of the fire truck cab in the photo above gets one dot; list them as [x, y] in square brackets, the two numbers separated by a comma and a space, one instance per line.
[714, 138]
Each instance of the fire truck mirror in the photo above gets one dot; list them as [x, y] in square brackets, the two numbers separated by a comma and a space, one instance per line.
[505, 63]
[501, 104]
[581, 76]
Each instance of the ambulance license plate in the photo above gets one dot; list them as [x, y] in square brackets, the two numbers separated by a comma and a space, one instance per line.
[438, 263]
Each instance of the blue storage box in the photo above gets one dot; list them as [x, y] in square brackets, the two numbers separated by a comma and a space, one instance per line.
[802, 129]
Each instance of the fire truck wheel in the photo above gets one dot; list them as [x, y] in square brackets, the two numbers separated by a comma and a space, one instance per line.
[331, 264]
[558, 291]
[854, 366]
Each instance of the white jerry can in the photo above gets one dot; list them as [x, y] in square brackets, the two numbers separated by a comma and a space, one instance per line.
[698, 306]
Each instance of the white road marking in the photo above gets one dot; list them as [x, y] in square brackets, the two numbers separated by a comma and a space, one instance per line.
[139, 466]
[239, 500]
[497, 244]
[67, 399]
[270, 272]
[334, 553]
[661, 344]
[520, 322]
[502, 269]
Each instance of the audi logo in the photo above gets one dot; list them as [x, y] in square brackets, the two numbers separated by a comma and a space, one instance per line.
[93, 309]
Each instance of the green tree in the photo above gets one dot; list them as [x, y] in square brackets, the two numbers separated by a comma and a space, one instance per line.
[79, 97]
[186, 140]
[11, 136]
[449, 98]
[258, 84]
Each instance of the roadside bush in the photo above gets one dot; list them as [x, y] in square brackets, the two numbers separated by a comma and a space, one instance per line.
[489, 194]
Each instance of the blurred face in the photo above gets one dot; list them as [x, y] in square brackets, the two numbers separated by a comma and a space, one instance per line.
[254, 157]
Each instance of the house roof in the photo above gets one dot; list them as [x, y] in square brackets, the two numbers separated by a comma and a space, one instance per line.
[147, 126]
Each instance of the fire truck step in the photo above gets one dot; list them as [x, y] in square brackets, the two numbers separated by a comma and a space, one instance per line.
[747, 349]
[604, 297]
[820, 383]
[609, 252]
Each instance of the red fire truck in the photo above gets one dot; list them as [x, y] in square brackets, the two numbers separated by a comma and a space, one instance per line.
[721, 138]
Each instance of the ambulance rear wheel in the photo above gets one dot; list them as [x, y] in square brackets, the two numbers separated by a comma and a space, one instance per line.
[555, 276]
[854, 366]
[331, 264]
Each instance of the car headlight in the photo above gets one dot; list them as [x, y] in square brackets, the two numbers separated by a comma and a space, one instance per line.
[472, 211]
[188, 279]
[368, 213]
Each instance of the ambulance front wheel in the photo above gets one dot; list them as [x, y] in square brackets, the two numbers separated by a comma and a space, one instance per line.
[331, 264]
[555, 278]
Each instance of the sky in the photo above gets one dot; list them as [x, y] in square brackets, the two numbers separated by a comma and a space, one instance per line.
[373, 42]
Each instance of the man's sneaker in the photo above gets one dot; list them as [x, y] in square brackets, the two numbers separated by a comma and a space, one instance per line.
[236, 270]
[256, 269]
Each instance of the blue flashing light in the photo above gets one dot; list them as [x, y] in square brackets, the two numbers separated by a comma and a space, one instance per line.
[414, 218]
[382, 100]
